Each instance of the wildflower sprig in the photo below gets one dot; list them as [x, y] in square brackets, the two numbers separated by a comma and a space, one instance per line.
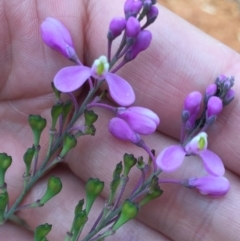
[72, 119]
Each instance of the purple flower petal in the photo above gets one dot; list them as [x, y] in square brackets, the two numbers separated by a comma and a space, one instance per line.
[71, 78]
[120, 90]
[139, 123]
[170, 158]
[212, 163]
[209, 185]
[56, 35]
[121, 130]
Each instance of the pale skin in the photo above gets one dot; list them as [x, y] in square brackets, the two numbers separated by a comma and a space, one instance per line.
[180, 59]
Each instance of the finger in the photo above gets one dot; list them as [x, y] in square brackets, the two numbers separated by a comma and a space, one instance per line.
[10, 231]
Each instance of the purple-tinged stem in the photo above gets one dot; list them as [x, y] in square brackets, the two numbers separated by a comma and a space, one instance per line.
[35, 161]
[170, 181]
[119, 66]
[90, 83]
[105, 106]
[143, 145]
[123, 186]
[73, 100]
[97, 221]
[140, 182]
[182, 133]
[109, 50]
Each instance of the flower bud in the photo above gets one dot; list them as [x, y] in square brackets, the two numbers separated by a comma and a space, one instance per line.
[79, 220]
[27, 157]
[42, 231]
[152, 15]
[3, 205]
[128, 212]
[214, 106]
[228, 97]
[37, 123]
[5, 163]
[118, 170]
[90, 117]
[56, 36]
[197, 144]
[117, 25]
[140, 119]
[141, 43]
[54, 186]
[93, 189]
[192, 102]
[132, 27]
[210, 185]
[79, 207]
[121, 130]
[69, 142]
[157, 192]
[56, 111]
[129, 162]
[132, 8]
[210, 91]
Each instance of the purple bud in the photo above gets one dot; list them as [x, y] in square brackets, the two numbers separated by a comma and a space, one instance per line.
[132, 27]
[147, 4]
[132, 7]
[121, 130]
[192, 102]
[56, 36]
[214, 106]
[140, 119]
[210, 185]
[117, 25]
[152, 14]
[220, 79]
[142, 42]
[210, 91]
[229, 97]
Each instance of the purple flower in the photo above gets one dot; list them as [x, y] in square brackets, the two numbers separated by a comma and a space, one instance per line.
[210, 185]
[56, 36]
[121, 130]
[172, 157]
[140, 119]
[71, 78]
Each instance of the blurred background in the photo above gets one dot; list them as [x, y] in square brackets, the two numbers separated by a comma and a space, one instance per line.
[218, 18]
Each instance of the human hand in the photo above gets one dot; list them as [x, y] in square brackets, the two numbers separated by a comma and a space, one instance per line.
[180, 59]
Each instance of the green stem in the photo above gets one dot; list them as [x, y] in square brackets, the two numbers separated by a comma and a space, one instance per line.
[114, 213]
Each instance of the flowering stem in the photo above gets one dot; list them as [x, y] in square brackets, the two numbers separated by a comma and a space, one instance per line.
[119, 66]
[143, 145]
[35, 159]
[105, 106]
[74, 101]
[172, 181]
[124, 181]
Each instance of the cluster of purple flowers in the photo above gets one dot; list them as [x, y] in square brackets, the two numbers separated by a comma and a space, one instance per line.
[129, 123]
[135, 39]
